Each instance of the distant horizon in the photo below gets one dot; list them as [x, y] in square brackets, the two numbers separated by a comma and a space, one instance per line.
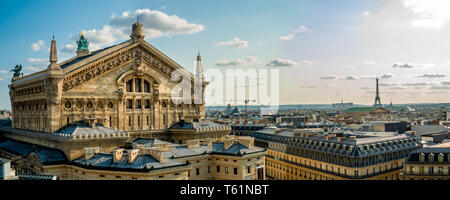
[331, 104]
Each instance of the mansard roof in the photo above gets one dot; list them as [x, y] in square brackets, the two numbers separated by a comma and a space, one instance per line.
[200, 126]
[435, 151]
[358, 147]
[84, 131]
[141, 163]
[47, 155]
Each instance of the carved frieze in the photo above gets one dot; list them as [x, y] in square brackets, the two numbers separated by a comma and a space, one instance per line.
[142, 59]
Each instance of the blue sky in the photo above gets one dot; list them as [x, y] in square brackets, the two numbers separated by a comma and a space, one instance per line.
[325, 50]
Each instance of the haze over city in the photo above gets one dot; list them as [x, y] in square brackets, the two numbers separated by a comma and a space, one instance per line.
[325, 51]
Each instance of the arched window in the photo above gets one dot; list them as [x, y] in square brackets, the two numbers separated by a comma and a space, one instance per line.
[146, 87]
[129, 86]
[138, 85]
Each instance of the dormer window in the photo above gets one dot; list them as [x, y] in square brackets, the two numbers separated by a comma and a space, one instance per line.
[422, 157]
[431, 157]
[441, 157]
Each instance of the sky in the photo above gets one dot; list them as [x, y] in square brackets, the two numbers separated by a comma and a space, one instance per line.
[325, 51]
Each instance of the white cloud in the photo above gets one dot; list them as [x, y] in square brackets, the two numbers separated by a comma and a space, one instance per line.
[368, 77]
[350, 78]
[328, 77]
[33, 69]
[369, 63]
[38, 45]
[4, 72]
[429, 13]
[102, 37]
[412, 65]
[415, 84]
[235, 42]
[281, 63]
[299, 30]
[307, 62]
[155, 23]
[366, 13]
[69, 48]
[287, 37]
[302, 29]
[431, 75]
[387, 84]
[387, 76]
[36, 64]
[38, 61]
[238, 61]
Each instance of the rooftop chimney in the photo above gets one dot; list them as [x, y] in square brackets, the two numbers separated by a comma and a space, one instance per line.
[117, 155]
[132, 154]
[193, 144]
[155, 153]
[90, 151]
[209, 142]
[247, 141]
[227, 143]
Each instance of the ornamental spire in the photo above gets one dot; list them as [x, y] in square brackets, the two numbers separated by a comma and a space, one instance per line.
[199, 69]
[53, 56]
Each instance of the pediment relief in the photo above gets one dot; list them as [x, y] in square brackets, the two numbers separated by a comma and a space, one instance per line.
[139, 57]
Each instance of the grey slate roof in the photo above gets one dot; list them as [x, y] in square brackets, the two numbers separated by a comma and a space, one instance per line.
[141, 162]
[205, 125]
[36, 177]
[48, 155]
[79, 59]
[85, 131]
[367, 146]
[414, 156]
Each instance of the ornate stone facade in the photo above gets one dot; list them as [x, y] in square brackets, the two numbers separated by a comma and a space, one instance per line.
[126, 87]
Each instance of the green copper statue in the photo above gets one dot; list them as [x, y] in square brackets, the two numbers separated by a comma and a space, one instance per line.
[17, 70]
[82, 43]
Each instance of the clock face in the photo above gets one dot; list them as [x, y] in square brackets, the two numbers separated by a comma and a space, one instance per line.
[110, 105]
[68, 105]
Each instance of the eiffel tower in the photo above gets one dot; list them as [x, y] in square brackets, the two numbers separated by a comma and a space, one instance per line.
[377, 98]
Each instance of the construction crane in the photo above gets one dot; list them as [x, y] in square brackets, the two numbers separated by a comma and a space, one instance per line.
[246, 102]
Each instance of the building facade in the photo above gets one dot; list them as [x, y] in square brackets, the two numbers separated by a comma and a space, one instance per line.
[297, 155]
[125, 86]
[432, 163]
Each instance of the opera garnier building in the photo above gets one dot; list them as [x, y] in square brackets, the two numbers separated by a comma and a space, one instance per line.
[110, 114]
